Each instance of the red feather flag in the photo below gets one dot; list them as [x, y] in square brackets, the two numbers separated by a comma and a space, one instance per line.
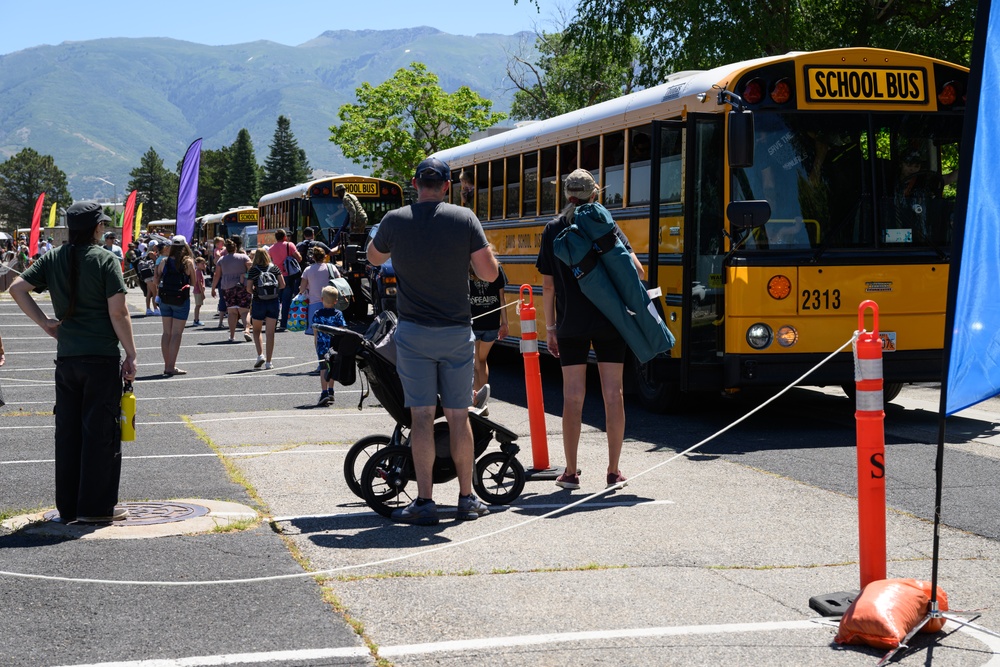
[36, 223]
[127, 217]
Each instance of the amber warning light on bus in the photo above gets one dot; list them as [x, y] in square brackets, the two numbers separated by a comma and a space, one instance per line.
[755, 89]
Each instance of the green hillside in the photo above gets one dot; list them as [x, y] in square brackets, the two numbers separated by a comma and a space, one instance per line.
[97, 106]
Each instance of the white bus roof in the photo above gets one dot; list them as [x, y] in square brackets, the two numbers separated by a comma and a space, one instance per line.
[634, 108]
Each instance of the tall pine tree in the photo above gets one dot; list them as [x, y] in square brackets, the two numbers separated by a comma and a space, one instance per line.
[22, 178]
[241, 187]
[286, 165]
[156, 187]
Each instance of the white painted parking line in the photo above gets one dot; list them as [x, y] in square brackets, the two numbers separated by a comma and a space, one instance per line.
[157, 363]
[197, 397]
[324, 415]
[198, 456]
[478, 645]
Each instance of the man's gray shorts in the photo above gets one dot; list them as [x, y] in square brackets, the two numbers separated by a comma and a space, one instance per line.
[434, 361]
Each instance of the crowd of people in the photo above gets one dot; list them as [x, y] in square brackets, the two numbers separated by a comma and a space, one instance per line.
[450, 313]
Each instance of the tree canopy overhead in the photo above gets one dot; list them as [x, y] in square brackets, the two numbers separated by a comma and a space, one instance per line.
[399, 122]
[677, 35]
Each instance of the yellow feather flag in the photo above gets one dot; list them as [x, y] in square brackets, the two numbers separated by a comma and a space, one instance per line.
[138, 221]
[52, 216]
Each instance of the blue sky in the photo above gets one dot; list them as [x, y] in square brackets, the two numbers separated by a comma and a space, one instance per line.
[290, 22]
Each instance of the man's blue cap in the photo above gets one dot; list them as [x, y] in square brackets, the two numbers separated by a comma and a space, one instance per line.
[433, 169]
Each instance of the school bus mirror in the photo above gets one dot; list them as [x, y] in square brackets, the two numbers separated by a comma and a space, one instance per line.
[748, 214]
[741, 139]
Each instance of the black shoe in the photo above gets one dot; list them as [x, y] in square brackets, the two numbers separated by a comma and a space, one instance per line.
[281, 330]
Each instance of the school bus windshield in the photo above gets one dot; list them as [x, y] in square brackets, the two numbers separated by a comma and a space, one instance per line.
[853, 181]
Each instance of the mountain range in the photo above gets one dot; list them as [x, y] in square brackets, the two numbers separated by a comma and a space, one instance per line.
[97, 106]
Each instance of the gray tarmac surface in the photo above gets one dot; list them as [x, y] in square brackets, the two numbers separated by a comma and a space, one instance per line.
[708, 559]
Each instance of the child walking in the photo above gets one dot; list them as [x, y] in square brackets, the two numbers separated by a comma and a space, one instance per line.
[199, 288]
[329, 315]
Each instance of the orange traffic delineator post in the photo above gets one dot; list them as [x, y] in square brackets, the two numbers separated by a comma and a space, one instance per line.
[870, 419]
[533, 386]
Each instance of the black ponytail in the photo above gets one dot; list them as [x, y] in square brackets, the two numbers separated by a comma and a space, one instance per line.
[78, 238]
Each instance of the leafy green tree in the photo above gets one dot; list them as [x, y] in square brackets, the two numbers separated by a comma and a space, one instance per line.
[679, 35]
[23, 177]
[399, 122]
[156, 186]
[562, 78]
[286, 165]
[241, 186]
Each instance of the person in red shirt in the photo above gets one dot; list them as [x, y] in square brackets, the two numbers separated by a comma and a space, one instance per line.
[280, 253]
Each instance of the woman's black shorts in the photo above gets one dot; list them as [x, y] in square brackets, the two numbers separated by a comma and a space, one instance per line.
[575, 350]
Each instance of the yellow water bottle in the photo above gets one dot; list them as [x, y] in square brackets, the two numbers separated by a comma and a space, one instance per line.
[128, 413]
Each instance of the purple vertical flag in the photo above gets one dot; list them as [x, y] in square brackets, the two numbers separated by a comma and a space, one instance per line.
[187, 192]
[974, 365]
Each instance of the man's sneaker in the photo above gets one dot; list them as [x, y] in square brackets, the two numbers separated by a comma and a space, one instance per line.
[260, 361]
[421, 515]
[118, 514]
[470, 508]
[197, 323]
[268, 366]
[325, 398]
[568, 481]
[616, 479]
[480, 399]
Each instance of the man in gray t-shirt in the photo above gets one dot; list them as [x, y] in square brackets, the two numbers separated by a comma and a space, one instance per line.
[432, 243]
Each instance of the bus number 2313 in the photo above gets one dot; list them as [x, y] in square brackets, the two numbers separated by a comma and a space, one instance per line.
[816, 300]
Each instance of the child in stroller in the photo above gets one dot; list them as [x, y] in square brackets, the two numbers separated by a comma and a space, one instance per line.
[379, 468]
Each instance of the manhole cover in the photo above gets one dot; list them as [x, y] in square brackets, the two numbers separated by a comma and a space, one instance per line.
[153, 512]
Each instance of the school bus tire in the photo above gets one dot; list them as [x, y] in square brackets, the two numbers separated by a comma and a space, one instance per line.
[890, 390]
[662, 396]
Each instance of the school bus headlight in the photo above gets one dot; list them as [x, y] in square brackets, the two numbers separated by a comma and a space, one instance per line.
[787, 336]
[779, 287]
[782, 91]
[759, 336]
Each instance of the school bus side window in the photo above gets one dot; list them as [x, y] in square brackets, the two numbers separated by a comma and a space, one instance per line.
[614, 170]
[548, 181]
[482, 191]
[640, 144]
[514, 186]
[531, 183]
[496, 190]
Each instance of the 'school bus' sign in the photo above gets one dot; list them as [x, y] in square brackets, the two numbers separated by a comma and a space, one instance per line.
[906, 85]
[362, 189]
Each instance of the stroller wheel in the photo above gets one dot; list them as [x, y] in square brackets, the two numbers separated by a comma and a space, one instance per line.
[357, 457]
[499, 479]
[384, 479]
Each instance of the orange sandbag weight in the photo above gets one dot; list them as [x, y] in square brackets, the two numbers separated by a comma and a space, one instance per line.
[533, 381]
[870, 418]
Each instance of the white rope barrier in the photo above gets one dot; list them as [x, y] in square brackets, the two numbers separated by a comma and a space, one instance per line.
[450, 545]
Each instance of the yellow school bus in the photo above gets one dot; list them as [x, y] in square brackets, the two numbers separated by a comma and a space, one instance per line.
[316, 205]
[235, 221]
[854, 151]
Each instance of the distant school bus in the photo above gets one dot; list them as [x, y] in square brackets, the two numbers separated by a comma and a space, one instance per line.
[315, 204]
[235, 221]
[854, 150]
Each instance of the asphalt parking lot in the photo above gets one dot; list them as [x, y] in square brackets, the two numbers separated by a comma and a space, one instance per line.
[700, 560]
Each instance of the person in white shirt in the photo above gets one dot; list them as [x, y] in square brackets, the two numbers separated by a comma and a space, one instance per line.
[109, 244]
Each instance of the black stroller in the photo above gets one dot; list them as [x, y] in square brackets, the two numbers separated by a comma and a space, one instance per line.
[379, 468]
